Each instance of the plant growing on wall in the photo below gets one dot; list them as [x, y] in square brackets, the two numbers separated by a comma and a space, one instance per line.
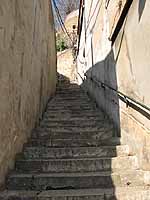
[61, 43]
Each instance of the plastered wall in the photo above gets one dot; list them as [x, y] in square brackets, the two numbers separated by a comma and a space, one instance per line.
[27, 72]
[125, 66]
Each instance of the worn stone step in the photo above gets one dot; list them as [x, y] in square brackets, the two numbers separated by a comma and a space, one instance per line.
[76, 165]
[87, 122]
[63, 143]
[71, 108]
[47, 134]
[103, 141]
[71, 87]
[70, 84]
[68, 88]
[75, 180]
[84, 129]
[62, 106]
[72, 141]
[66, 136]
[76, 129]
[119, 193]
[63, 87]
[72, 96]
[78, 98]
[74, 132]
[100, 124]
[76, 101]
[79, 101]
[72, 93]
[75, 152]
[76, 119]
[80, 126]
[73, 113]
[73, 118]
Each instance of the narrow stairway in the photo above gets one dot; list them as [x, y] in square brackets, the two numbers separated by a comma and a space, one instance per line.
[73, 155]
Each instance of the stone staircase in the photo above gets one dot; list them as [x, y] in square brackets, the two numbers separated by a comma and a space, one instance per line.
[73, 155]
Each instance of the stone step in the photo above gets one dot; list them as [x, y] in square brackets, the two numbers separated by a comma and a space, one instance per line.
[63, 82]
[77, 119]
[80, 101]
[75, 180]
[71, 93]
[71, 86]
[71, 108]
[76, 129]
[85, 112]
[72, 104]
[48, 138]
[74, 141]
[75, 152]
[73, 118]
[72, 96]
[72, 111]
[81, 129]
[119, 193]
[65, 124]
[76, 165]
[76, 102]
[72, 115]
[80, 134]
[105, 140]
[63, 143]
[77, 113]
[68, 87]
[57, 106]
[85, 122]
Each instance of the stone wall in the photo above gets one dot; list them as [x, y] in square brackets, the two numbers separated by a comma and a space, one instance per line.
[27, 72]
[125, 67]
[65, 59]
[71, 19]
[66, 66]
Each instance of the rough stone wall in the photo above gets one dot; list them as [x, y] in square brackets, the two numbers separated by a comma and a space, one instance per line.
[27, 72]
[65, 60]
[125, 67]
[71, 19]
[65, 65]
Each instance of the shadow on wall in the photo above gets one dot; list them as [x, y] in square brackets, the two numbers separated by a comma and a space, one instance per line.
[141, 8]
[107, 100]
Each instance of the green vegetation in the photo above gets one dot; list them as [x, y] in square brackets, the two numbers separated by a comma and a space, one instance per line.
[61, 43]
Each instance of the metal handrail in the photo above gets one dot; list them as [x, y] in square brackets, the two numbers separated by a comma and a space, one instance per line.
[80, 22]
[126, 97]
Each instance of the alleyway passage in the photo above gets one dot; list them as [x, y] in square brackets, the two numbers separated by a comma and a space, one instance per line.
[72, 155]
